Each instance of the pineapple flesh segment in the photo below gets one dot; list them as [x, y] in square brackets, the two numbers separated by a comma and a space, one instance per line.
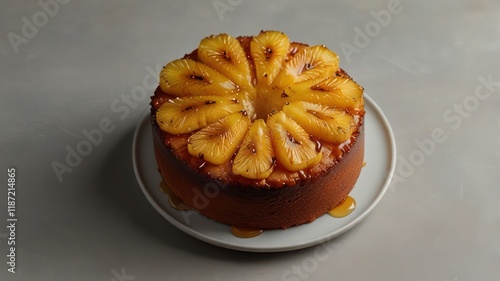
[307, 91]
[217, 142]
[294, 49]
[226, 55]
[269, 50]
[186, 77]
[335, 92]
[187, 114]
[328, 124]
[344, 92]
[255, 158]
[292, 145]
[308, 63]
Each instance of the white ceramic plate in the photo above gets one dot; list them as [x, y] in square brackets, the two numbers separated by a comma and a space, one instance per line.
[380, 156]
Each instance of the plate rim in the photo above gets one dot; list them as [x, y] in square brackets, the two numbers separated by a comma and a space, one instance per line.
[388, 133]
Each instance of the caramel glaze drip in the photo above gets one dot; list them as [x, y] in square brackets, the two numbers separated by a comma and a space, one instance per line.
[174, 201]
[243, 232]
[344, 208]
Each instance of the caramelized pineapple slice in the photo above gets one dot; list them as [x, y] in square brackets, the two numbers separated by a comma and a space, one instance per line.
[186, 77]
[292, 145]
[341, 92]
[308, 63]
[187, 114]
[255, 159]
[336, 92]
[328, 124]
[225, 54]
[217, 142]
[269, 50]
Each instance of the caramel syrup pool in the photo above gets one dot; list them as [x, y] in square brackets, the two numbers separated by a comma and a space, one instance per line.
[242, 232]
[344, 208]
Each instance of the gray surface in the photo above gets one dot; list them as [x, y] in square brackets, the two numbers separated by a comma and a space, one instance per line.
[441, 223]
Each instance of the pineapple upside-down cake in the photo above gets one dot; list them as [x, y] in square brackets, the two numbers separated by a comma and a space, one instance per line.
[258, 131]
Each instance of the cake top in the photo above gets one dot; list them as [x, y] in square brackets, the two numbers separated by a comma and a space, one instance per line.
[259, 102]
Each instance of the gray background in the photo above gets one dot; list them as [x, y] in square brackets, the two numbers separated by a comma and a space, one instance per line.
[439, 221]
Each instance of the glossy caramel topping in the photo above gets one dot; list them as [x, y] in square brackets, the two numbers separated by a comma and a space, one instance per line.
[174, 201]
[242, 232]
[344, 208]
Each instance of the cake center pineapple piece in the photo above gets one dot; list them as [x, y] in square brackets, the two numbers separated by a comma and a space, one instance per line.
[258, 103]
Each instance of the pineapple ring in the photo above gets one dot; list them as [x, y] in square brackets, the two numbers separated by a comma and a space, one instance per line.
[259, 106]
